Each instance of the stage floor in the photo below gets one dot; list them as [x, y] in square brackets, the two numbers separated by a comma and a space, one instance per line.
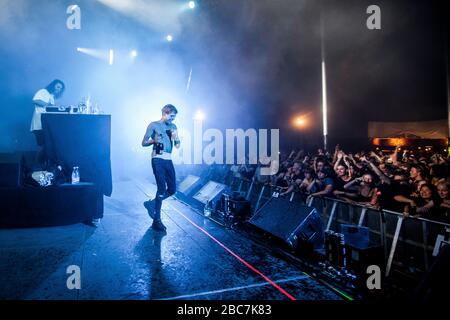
[124, 259]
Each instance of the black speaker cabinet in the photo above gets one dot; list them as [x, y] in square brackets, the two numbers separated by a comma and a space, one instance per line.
[10, 171]
[296, 225]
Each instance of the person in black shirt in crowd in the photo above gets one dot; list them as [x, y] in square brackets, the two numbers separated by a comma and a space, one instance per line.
[443, 189]
[343, 172]
[360, 190]
[324, 184]
[428, 203]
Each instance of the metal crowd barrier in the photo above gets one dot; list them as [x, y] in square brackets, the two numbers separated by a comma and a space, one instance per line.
[408, 242]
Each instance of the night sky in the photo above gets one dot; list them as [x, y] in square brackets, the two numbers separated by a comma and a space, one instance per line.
[256, 63]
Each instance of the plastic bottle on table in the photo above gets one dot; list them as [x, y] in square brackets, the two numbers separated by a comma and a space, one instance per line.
[75, 175]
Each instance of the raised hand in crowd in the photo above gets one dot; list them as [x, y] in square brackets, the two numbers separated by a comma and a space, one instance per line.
[356, 164]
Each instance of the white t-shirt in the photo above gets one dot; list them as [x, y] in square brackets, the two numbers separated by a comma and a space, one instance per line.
[164, 155]
[45, 96]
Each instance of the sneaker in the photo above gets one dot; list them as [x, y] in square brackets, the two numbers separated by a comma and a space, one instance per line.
[92, 223]
[158, 225]
[150, 206]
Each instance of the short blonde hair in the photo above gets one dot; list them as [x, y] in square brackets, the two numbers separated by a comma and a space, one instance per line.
[168, 109]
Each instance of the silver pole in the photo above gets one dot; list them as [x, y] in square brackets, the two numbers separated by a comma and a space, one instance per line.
[324, 84]
[447, 71]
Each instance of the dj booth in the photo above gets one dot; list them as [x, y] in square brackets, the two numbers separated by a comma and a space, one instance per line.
[71, 140]
[81, 140]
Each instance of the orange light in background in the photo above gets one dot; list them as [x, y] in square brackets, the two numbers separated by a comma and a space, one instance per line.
[300, 122]
[376, 141]
[390, 142]
[396, 142]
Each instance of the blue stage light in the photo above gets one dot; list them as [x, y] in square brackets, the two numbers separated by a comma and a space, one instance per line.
[111, 57]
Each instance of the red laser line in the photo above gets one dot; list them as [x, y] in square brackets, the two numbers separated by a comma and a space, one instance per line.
[237, 257]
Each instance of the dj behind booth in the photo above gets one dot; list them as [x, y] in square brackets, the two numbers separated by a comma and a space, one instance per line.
[76, 174]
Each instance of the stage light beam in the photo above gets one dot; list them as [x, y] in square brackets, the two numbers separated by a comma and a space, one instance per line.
[169, 38]
[111, 57]
[199, 115]
[96, 53]
[134, 53]
[192, 5]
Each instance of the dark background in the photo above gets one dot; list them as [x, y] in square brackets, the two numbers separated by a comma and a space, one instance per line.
[255, 63]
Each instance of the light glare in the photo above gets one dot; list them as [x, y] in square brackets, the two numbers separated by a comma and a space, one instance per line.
[199, 115]
[111, 57]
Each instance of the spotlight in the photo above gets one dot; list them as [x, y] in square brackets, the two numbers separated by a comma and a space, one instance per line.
[199, 115]
[300, 122]
[169, 38]
[111, 57]
[191, 4]
[133, 53]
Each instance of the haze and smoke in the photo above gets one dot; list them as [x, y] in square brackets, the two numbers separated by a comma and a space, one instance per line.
[255, 63]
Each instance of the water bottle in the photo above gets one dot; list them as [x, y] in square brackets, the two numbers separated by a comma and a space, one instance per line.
[75, 175]
[207, 210]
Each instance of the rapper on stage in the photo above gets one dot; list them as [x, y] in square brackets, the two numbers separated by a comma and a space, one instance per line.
[163, 136]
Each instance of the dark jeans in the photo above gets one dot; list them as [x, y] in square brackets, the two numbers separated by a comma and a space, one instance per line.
[165, 180]
[40, 156]
[39, 134]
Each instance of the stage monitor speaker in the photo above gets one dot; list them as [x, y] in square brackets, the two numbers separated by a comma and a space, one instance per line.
[299, 226]
[356, 236]
[210, 192]
[10, 171]
[189, 184]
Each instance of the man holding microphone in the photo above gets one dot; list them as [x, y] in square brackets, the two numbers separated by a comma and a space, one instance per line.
[163, 136]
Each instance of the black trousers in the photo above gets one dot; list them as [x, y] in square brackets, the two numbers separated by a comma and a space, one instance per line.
[40, 141]
[165, 180]
[39, 134]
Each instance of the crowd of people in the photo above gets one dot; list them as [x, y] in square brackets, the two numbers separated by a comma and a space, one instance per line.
[412, 182]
